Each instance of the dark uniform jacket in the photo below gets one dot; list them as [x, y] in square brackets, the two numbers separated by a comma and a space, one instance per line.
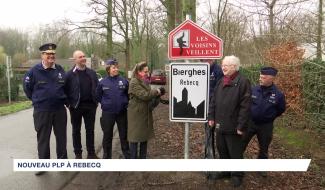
[72, 86]
[215, 75]
[267, 104]
[45, 87]
[230, 105]
[112, 93]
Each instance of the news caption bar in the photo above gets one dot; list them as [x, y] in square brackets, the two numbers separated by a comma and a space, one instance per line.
[161, 165]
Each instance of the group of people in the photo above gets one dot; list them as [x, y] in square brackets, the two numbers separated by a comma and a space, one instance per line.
[52, 90]
[238, 111]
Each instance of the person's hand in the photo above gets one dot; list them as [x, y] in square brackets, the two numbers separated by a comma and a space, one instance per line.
[158, 91]
[211, 123]
[239, 132]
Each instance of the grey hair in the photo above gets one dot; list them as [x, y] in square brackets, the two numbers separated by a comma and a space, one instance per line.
[231, 59]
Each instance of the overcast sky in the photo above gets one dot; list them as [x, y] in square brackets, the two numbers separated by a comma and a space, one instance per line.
[28, 14]
[24, 14]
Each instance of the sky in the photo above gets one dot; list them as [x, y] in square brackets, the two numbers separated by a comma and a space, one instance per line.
[26, 14]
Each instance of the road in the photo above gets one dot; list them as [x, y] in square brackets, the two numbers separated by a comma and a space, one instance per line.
[18, 141]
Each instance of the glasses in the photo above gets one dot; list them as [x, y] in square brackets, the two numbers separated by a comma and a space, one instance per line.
[82, 56]
[227, 65]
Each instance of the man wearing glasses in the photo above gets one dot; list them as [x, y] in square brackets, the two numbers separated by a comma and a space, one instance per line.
[230, 107]
[44, 85]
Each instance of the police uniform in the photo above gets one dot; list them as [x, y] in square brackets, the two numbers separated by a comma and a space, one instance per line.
[267, 104]
[45, 87]
[112, 93]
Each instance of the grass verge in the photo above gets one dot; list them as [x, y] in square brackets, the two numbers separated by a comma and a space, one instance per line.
[14, 107]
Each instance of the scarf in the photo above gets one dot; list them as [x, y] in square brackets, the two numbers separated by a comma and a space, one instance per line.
[227, 79]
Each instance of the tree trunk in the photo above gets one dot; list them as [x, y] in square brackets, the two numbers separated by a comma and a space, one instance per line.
[271, 24]
[189, 7]
[178, 12]
[319, 30]
[109, 37]
[127, 40]
[170, 6]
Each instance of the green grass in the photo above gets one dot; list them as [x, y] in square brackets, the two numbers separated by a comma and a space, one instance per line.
[14, 107]
[297, 139]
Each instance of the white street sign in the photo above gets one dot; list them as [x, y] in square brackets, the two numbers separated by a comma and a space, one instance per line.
[189, 92]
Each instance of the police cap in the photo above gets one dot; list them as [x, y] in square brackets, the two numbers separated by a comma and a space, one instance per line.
[112, 61]
[48, 48]
[269, 71]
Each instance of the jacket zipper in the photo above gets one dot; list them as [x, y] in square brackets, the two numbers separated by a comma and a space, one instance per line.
[79, 92]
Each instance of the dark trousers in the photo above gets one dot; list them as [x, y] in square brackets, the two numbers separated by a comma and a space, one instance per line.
[209, 148]
[134, 150]
[108, 121]
[89, 115]
[44, 121]
[264, 133]
[230, 146]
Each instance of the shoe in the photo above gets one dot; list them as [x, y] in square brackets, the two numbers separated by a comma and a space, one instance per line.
[236, 181]
[92, 156]
[220, 175]
[78, 156]
[211, 175]
[263, 174]
[39, 173]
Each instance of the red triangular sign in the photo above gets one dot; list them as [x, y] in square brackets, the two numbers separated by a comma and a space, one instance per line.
[190, 41]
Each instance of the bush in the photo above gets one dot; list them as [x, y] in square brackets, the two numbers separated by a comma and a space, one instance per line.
[252, 73]
[14, 84]
[313, 77]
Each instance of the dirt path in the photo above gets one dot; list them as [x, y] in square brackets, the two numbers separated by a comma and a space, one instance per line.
[168, 143]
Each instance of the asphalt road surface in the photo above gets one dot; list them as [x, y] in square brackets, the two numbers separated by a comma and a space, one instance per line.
[18, 141]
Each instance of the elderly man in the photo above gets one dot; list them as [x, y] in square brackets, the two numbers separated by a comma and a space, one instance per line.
[81, 84]
[268, 102]
[215, 75]
[44, 85]
[229, 108]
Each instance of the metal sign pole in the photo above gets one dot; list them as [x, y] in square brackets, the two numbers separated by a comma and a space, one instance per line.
[187, 139]
[8, 78]
[187, 135]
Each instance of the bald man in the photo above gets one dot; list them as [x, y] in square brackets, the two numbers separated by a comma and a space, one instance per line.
[81, 84]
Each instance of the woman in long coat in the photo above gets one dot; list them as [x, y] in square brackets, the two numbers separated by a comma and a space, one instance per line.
[140, 122]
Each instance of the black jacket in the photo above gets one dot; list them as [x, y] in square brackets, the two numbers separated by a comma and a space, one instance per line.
[72, 86]
[230, 105]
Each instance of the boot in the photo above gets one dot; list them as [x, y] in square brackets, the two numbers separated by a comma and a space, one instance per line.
[78, 156]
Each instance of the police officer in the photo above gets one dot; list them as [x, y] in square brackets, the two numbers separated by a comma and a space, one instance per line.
[268, 102]
[44, 85]
[112, 93]
[81, 84]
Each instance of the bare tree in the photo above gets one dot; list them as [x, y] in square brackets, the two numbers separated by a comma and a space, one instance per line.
[170, 6]
[270, 11]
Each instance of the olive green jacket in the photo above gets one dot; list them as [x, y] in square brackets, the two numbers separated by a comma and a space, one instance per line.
[140, 122]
